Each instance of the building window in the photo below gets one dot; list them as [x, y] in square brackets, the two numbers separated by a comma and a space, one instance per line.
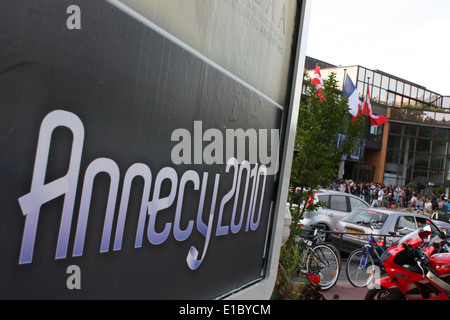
[440, 134]
[416, 154]
[439, 147]
[410, 130]
[425, 132]
[408, 144]
[396, 128]
[423, 145]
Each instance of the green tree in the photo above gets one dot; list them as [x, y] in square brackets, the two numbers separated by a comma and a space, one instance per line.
[321, 123]
[318, 151]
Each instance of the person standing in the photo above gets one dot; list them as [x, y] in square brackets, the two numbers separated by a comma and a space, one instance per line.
[412, 202]
[408, 195]
[395, 196]
[401, 197]
[445, 206]
[419, 203]
[380, 197]
[341, 186]
[348, 186]
[428, 207]
[434, 204]
[441, 203]
[433, 196]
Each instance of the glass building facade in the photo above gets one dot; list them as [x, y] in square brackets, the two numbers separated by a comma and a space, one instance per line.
[413, 147]
[391, 91]
[416, 154]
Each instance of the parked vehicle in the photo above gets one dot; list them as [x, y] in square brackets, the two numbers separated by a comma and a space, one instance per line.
[337, 205]
[352, 231]
[360, 266]
[319, 260]
[442, 224]
[414, 273]
[286, 225]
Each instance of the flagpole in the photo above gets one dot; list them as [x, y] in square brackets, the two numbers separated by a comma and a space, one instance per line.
[360, 141]
[343, 81]
[368, 87]
[342, 162]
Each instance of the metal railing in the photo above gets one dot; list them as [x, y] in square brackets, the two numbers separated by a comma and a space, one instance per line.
[364, 240]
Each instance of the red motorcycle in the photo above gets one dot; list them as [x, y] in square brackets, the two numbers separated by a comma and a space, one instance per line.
[415, 272]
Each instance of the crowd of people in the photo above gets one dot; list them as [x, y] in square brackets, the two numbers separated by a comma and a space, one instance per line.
[380, 195]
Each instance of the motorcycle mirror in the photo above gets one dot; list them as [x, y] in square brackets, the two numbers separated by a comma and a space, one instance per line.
[424, 231]
[443, 234]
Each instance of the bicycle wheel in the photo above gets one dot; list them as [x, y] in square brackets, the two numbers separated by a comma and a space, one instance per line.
[324, 263]
[360, 268]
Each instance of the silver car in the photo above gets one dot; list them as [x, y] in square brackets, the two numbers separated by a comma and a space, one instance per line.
[352, 231]
[337, 205]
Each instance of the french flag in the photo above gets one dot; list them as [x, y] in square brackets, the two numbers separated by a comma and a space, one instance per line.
[352, 96]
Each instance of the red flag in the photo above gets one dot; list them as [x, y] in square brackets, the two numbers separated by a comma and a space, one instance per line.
[375, 120]
[317, 80]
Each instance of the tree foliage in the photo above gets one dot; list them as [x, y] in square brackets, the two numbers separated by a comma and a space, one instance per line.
[321, 123]
[318, 147]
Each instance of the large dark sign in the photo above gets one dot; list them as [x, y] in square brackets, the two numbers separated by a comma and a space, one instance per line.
[127, 160]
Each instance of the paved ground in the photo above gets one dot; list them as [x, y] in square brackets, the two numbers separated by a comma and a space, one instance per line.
[343, 289]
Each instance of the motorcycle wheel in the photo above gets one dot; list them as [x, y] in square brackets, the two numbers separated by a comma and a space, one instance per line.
[383, 294]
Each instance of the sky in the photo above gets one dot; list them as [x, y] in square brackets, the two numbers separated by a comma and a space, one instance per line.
[409, 39]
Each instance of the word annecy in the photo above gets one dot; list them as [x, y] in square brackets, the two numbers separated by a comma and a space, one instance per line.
[42, 192]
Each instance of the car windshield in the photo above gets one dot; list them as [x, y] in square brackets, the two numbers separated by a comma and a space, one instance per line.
[374, 218]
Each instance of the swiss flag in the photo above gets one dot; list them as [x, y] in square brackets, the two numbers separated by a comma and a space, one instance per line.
[367, 111]
[317, 80]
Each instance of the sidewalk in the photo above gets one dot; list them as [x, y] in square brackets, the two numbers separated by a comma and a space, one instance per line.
[345, 291]
[344, 288]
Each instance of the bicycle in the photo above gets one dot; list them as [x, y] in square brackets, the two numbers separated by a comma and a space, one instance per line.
[319, 259]
[360, 267]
